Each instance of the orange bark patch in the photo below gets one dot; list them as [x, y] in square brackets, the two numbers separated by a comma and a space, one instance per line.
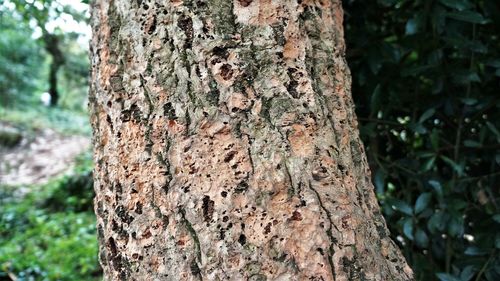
[291, 49]
[294, 46]
[300, 140]
[237, 102]
[257, 12]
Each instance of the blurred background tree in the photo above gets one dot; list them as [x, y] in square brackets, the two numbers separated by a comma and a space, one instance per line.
[47, 227]
[426, 84]
[50, 47]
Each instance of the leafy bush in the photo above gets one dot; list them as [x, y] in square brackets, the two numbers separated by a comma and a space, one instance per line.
[30, 117]
[20, 60]
[50, 234]
[425, 80]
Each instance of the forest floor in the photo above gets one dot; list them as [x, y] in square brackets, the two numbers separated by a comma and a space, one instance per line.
[39, 156]
[47, 223]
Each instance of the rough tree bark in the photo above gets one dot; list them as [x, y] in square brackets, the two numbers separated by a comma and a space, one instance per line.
[226, 145]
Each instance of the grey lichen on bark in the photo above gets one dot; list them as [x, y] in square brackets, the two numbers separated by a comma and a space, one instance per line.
[226, 145]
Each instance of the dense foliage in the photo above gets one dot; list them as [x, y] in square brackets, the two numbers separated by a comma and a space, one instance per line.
[50, 233]
[426, 76]
[20, 60]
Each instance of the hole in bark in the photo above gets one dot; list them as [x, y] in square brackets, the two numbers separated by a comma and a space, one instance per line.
[341, 168]
[152, 27]
[226, 72]
[296, 216]
[138, 208]
[223, 194]
[242, 187]
[245, 3]
[100, 232]
[220, 52]
[123, 214]
[267, 229]
[147, 234]
[292, 87]
[225, 218]
[320, 251]
[114, 225]
[242, 239]
[186, 24]
[229, 156]
[112, 246]
[208, 208]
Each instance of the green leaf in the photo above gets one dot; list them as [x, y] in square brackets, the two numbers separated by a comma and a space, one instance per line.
[467, 273]
[379, 181]
[456, 227]
[467, 16]
[411, 27]
[496, 218]
[429, 164]
[401, 206]
[408, 228]
[493, 129]
[422, 202]
[457, 167]
[438, 188]
[446, 277]
[456, 4]
[435, 139]
[426, 115]
[494, 63]
[375, 99]
[471, 143]
[413, 71]
[475, 251]
[421, 238]
[387, 3]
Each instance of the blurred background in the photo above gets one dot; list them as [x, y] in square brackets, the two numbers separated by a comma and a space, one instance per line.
[426, 82]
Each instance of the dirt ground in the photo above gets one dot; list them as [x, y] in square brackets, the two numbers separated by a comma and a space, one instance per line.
[40, 157]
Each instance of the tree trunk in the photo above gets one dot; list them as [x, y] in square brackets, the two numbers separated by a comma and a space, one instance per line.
[226, 145]
[52, 47]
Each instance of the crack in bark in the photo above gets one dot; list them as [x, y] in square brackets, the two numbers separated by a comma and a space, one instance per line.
[291, 190]
[166, 165]
[193, 234]
[328, 232]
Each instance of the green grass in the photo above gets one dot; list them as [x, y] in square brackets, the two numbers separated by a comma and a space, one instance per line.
[50, 234]
[33, 117]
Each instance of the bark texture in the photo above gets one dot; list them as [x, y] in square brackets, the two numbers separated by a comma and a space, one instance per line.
[226, 145]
